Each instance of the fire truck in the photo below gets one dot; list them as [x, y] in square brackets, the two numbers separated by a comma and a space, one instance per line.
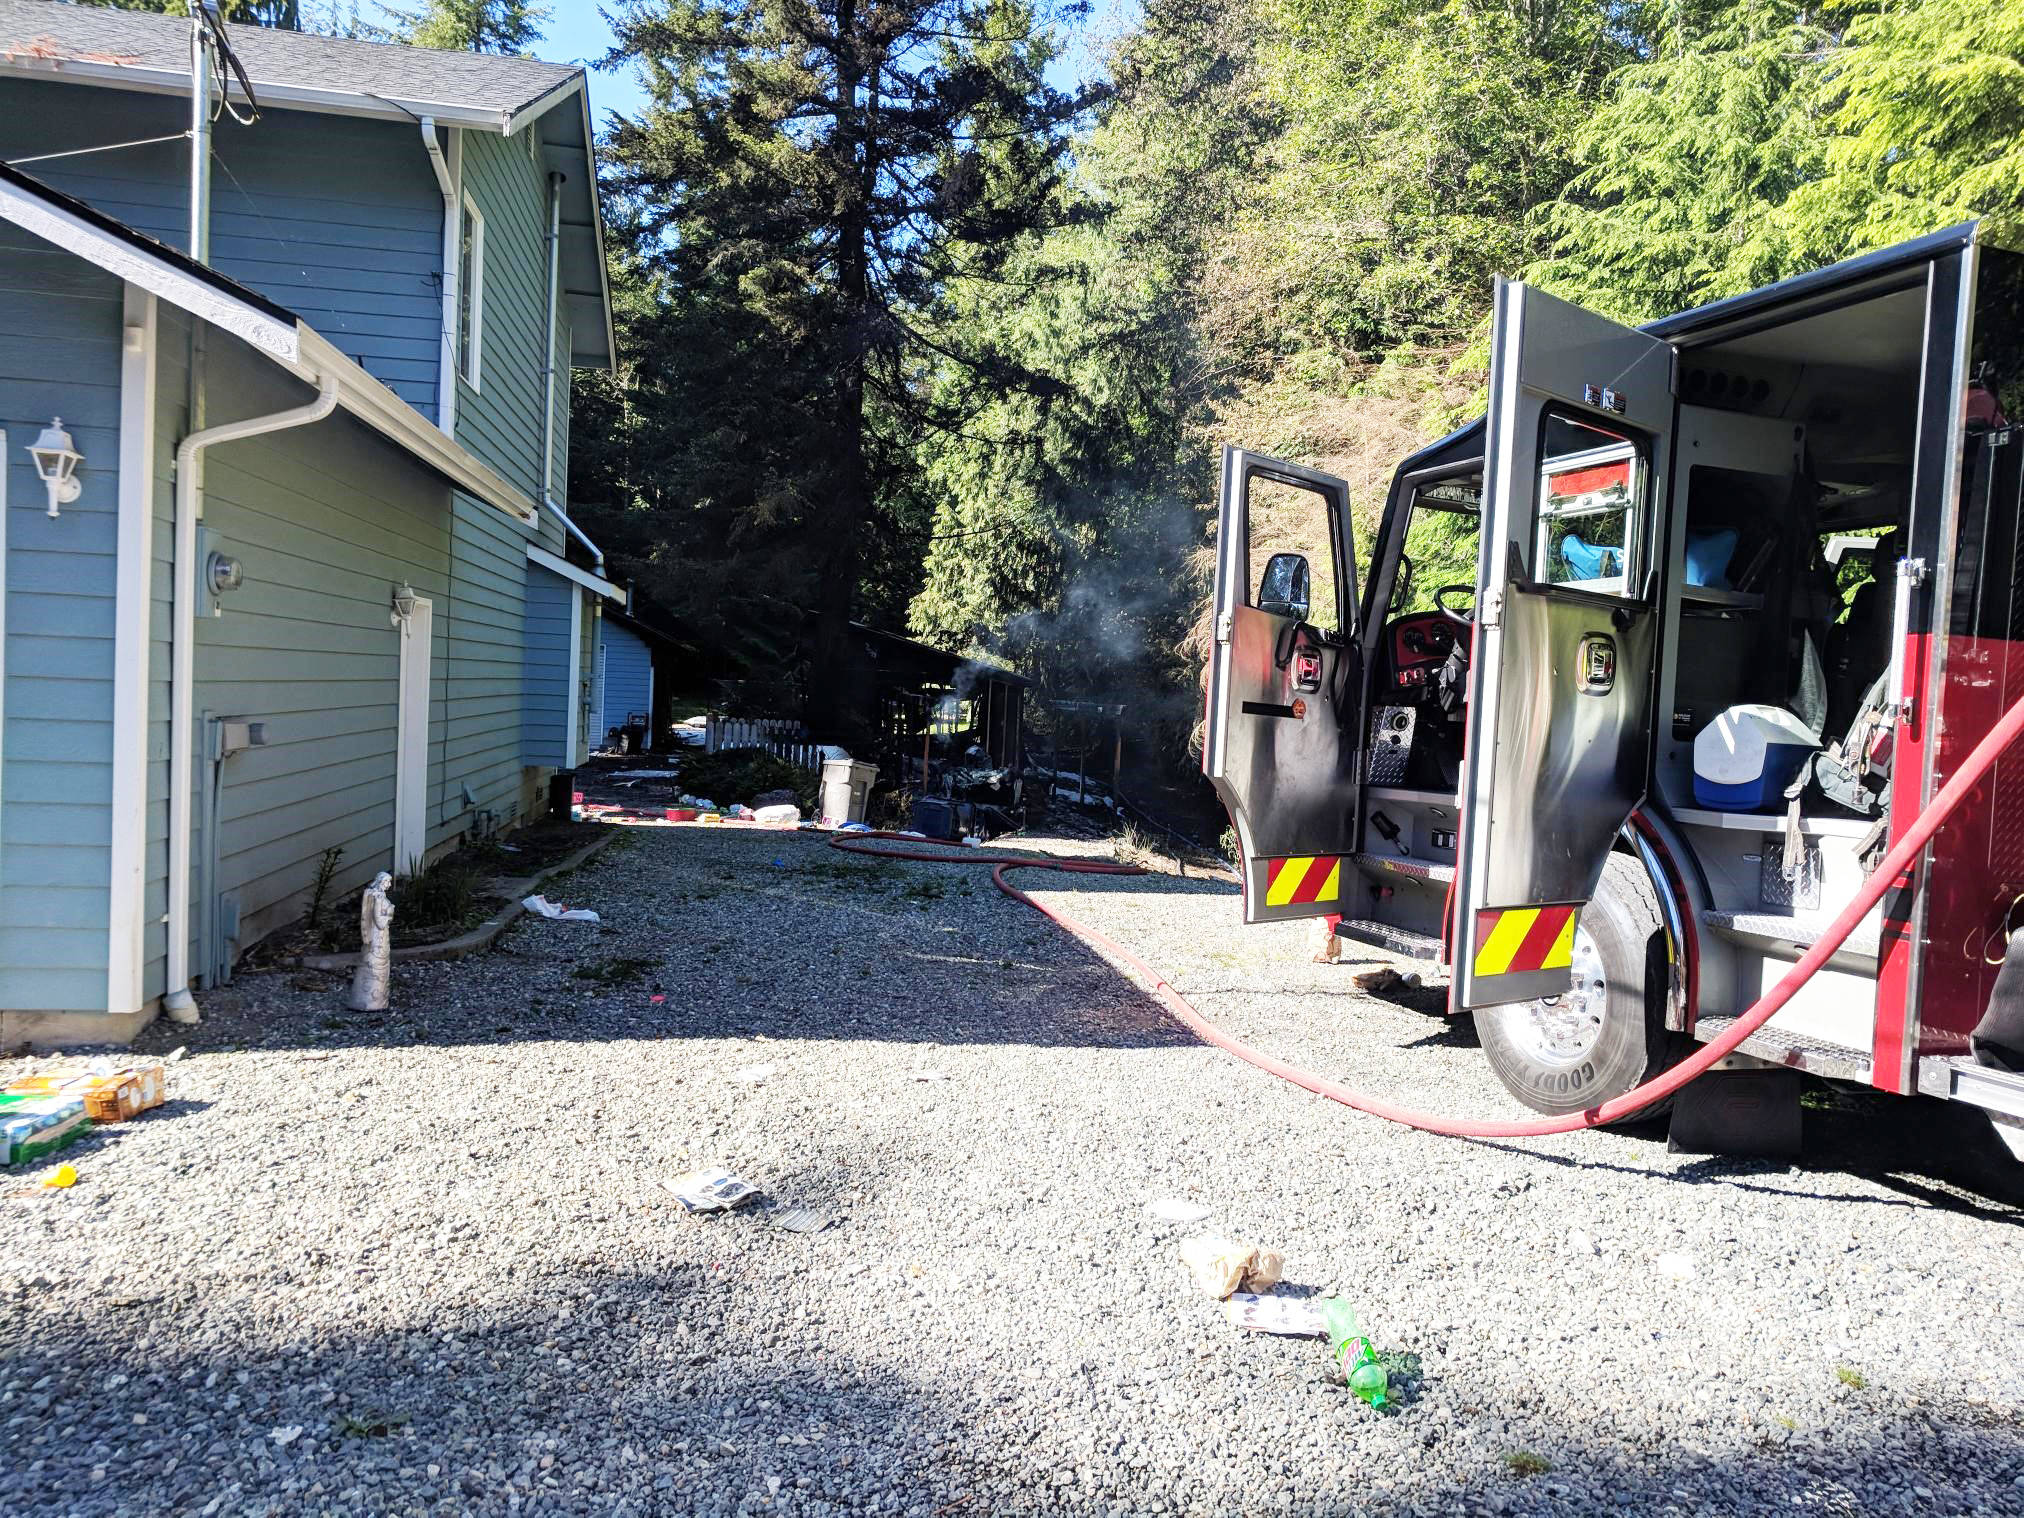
[1647, 668]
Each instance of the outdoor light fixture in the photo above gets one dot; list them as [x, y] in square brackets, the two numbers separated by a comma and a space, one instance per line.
[404, 603]
[56, 460]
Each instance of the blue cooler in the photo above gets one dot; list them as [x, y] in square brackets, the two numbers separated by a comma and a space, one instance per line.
[1745, 758]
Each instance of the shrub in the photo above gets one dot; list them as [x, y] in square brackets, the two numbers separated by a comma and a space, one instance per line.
[739, 774]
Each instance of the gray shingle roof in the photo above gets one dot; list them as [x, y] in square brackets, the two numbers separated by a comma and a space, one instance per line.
[46, 34]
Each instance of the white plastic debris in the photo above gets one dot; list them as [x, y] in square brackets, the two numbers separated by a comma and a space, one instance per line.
[288, 1433]
[710, 1190]
[541, 906]
[753, 1075]
[783, 812]
[1173, 1209]
[1274, 1315]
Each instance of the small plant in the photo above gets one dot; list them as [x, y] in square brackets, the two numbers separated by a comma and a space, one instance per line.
[370, 1423]
[439, 894]
[319, 893]
[1524, 1462]
[1850, 1377]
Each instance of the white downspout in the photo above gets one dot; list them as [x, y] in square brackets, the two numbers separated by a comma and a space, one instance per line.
[177, 1002]
[548, 374]
[446, 376]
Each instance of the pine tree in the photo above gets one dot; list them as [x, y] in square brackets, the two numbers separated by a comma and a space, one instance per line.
[470, 26]
[283, 14]
[806, 190]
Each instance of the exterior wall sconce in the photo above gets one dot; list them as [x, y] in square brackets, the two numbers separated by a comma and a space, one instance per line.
[56, 460]
[404, 603]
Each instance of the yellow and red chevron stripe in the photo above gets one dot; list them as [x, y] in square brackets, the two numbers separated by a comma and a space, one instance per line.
[1296, 882]
[1516, 940]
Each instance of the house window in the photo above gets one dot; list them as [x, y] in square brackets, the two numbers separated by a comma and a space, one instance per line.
[470, 291]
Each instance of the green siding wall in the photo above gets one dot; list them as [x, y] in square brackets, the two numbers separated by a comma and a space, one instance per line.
[500, 421]
[326, 520]
[481, 742]
[60, 324]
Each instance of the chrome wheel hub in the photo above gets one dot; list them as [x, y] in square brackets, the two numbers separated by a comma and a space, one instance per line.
[1562, 1030]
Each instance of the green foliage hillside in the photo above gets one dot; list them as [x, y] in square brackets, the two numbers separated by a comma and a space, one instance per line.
[1278, 225]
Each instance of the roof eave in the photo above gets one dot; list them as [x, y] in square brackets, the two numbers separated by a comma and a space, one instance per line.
[386, 413]
[295, 97]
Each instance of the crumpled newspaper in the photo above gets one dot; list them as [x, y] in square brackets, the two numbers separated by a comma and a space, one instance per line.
[1221, 1266]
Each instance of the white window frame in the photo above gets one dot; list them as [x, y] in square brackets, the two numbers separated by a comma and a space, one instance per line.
[471, 294]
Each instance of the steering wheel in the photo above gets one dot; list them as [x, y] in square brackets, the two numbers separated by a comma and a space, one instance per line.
[1466, 618]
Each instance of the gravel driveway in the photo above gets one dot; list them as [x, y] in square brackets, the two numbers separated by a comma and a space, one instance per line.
[424, 1262]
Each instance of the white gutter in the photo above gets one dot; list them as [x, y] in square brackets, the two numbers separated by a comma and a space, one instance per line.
[386, 413]
[178, 1002]
[556, 564]
[446, 367]
[548, 373]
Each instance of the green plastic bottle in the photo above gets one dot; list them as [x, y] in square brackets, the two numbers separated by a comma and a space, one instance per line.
[1358, 1361]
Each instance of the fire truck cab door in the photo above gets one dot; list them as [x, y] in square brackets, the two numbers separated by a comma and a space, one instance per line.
[1283, 673]
[1560, 686]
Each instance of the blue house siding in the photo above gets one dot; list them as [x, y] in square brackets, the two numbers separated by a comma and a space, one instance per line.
[60, 324]
[326, 520]
[339, 220]
[544, 729]
[625, 676]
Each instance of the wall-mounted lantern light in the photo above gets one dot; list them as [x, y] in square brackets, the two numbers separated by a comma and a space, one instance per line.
[404, 603]
[56, 460]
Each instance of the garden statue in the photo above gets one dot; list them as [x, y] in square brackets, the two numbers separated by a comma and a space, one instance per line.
[375, 947]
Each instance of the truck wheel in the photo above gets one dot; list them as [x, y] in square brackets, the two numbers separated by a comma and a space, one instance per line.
[1607, 1032]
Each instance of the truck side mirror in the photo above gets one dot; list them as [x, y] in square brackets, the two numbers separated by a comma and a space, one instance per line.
[1283, 589]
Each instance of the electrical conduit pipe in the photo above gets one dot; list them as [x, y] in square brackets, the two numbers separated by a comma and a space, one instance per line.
[177, 1001]
[1900, 858]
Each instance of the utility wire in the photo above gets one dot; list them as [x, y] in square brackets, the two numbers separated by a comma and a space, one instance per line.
[110, 147]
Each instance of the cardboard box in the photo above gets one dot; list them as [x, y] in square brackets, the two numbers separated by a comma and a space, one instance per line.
[125, 1093]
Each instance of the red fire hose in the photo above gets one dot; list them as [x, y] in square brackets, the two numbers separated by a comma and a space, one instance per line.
[1900, 857]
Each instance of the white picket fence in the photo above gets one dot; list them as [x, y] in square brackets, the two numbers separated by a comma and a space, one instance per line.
[782, 736]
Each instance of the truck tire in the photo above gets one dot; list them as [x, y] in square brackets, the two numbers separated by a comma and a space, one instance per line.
[1608, 1032]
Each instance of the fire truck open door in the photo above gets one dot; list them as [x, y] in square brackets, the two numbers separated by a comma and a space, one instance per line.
[1283, 681]
[1560, 684]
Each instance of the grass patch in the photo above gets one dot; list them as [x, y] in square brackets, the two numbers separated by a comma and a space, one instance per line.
[1850, 1377]
[616, 972]
[1525, 1462]
[370, 1423]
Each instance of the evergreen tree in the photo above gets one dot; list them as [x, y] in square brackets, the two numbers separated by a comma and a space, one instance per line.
[470, 26]
[804, 195]
[284, 14]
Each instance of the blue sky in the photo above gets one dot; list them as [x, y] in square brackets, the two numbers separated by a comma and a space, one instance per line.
[577, 33]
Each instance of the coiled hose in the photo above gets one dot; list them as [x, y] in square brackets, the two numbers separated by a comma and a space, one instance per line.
[1660, 1086]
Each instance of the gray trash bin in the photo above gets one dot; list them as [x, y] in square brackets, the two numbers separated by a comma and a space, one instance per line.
[846, 789]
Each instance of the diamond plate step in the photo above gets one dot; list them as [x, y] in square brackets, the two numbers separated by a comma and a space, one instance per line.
[1423, 870]
[1788, 937]
[1393, 940]
[1774, 1045]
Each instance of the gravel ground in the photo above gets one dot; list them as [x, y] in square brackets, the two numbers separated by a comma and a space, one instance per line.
[423, 1261]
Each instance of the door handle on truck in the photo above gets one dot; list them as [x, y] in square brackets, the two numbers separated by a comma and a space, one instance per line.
[1899, 702]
